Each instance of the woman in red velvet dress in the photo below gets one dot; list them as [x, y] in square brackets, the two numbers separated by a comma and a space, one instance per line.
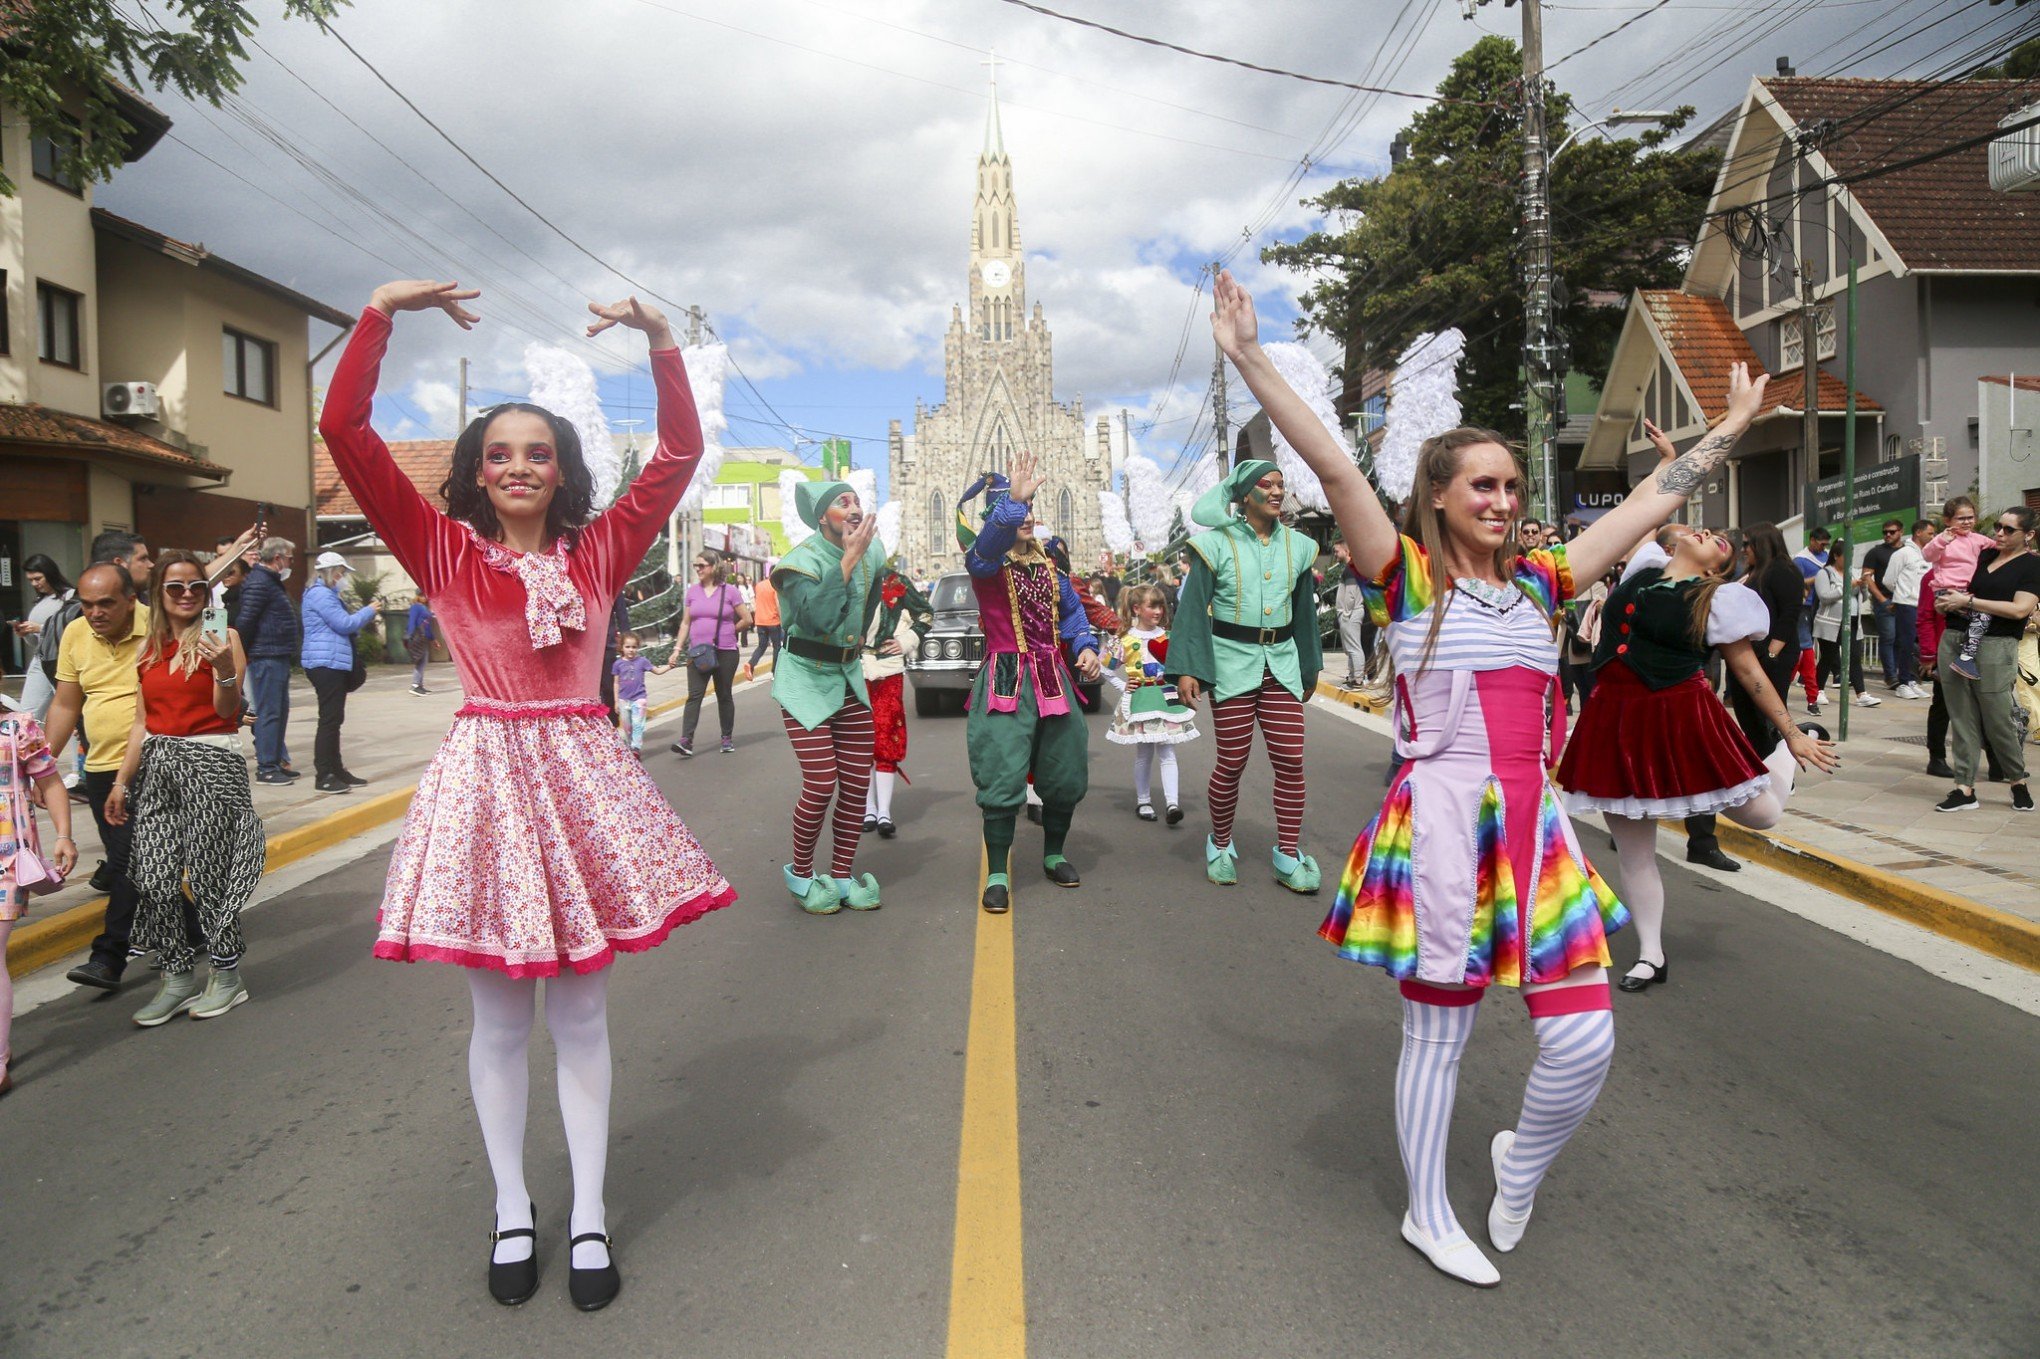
[535, 847]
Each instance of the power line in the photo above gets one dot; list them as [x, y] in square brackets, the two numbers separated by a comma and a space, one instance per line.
[1588, 47]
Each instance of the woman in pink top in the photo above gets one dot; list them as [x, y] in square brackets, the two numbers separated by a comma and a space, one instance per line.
[25, 762]
[535, 845]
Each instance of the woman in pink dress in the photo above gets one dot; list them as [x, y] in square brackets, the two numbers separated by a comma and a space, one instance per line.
[529, 851]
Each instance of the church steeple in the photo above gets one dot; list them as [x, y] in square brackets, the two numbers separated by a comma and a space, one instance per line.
[998, 299]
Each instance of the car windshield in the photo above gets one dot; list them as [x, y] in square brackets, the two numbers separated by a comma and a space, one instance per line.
[952, 594]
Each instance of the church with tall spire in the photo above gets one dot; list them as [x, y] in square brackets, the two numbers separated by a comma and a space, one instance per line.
[998, 396]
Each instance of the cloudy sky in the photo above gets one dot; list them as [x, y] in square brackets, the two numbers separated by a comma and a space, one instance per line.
[803, 169]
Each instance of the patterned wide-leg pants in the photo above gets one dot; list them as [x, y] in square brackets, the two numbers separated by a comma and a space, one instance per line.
[195, 831]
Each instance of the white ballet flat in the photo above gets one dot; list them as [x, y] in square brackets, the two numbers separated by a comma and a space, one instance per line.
[1503, 1231]
[1455, 1255]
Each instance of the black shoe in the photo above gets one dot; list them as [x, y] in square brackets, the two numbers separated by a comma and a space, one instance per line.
[101, 879]
[96, 973]
[1712, 858]
[997, 900]
[684, 749]
[350, 779]
[276, 776]
[1063, 874]
[1145, 812]
[331, 783]
[1175, 814]
[514, 1283]
[886, 829]
[593, 1289]
[1939, 769]
[2022, 799]
[870, 824]
[1658, 973]
[1957, 801]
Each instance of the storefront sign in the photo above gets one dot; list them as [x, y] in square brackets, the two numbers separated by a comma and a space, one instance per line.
[1885, 490]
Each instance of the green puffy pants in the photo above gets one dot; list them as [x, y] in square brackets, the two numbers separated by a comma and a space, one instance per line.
[1005, 747]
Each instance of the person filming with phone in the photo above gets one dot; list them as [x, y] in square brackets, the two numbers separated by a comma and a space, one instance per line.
[184, 783]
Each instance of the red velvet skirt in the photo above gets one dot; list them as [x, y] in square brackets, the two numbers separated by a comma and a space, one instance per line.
[888, 721]
[1638, 751]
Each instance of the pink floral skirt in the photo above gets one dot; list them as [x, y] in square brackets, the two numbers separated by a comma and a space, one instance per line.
[537, 842]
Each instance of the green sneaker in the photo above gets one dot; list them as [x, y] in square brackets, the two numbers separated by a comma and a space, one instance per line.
[859, 894]
[223, 991]
[816, 895]
[1218, 863]
[178, 993]
[1298, 875]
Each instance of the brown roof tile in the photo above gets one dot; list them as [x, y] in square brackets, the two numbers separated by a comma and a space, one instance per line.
[66, 431]
[1705, 340]
[1942, 214]
[424, 461]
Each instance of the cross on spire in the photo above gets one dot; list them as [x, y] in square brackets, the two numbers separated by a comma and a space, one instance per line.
[995, 139]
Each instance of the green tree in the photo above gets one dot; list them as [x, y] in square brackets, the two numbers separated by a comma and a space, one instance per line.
[1433, 243]
[61, 62]
[2023, 63]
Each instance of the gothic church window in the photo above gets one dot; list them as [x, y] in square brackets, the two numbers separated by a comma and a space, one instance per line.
[1065, 512]
[938, 521]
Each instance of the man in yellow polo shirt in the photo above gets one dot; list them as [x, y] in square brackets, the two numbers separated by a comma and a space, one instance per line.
[96, 679]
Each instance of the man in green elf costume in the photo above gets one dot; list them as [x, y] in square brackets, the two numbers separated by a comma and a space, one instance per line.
[1246, 631]
[828, 593]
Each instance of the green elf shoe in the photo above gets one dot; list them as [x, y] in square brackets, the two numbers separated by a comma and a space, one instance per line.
[1219, 863]
[816, 895]
[859, 894]
[1298, 875]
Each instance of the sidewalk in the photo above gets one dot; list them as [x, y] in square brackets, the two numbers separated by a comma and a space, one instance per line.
[1870, 831]
[389, 737]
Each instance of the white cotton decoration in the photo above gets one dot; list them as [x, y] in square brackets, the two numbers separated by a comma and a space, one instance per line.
[1313, 382]
[1423, 401]
[1149, 507]
[1112, 514]
[790, 522]
[1202, 476]
[563, 383]
[889, 526]
[707, 370]
[864, 481]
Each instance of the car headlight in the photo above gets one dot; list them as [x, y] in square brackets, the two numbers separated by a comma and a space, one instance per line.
[952, 649]
[931, 650]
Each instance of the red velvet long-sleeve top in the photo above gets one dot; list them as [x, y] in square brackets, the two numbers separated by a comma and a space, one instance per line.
[482, 608]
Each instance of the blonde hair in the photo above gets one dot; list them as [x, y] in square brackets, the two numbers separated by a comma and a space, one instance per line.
[1130, 600]
[1437, 464]
[180, 647]
[1702, 602]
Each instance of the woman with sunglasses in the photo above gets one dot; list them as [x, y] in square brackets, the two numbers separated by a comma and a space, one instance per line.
[713, 613]
[196, 831]
[2003, 591]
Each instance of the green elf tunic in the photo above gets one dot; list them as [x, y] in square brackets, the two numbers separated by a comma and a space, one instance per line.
[1248, 585]
[823, 613]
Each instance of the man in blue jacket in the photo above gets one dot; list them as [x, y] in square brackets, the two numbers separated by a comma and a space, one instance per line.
[328, 660]
[268, 625]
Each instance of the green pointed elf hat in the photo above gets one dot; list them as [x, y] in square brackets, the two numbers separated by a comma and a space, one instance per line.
[1215, 506]
[811, 498]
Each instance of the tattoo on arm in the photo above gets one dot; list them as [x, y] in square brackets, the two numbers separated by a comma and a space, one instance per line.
[1685, 474]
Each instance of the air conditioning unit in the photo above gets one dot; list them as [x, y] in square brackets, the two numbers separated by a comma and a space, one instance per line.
[2015, 157]
[136, 399]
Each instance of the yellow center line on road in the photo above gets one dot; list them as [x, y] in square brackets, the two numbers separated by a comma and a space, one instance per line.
[987, 1293]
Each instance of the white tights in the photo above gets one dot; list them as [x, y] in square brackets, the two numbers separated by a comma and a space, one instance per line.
[1643, 887]
[499, 1070]
[878, 797]
[1145, 758]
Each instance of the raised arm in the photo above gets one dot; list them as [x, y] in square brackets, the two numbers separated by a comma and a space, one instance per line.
[1369, 532]
[421, 538]
[1653, 501]
[625, 530]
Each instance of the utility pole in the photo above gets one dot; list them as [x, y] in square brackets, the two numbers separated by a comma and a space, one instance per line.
[1218, 416]
[1539, 402]
[694, 321]
[463, 399]
[1809, 350]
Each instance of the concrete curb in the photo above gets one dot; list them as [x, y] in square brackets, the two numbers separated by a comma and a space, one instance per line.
[1984, 928]
[42, 942]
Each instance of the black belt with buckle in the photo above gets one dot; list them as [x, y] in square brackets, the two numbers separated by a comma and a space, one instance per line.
[816, 651]
[1234, 632]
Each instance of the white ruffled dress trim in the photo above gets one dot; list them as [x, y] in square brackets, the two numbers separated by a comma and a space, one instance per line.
[1667, 808]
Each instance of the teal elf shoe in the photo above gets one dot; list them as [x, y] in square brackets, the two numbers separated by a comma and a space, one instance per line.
[859, 894]
[1298, 875]
[1219, 863]
[816, 895]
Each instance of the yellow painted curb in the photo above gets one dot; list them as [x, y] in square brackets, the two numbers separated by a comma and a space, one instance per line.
[1998, 933]
[1354, 698]
[42, 942]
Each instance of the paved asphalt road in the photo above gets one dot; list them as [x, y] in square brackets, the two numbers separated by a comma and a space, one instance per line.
[1807, 1147]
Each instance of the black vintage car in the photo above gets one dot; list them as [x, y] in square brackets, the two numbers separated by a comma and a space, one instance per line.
[946, 665]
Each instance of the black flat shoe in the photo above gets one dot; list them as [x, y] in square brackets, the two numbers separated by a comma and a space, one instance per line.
[1175, 814]
[1063, 874]
[870, 824]
[593, 1289]
[997, 900]
[1144, 812]
[886, 829]
[1713, 858]
[351, 778]
[1658, 973]
[514, 1283]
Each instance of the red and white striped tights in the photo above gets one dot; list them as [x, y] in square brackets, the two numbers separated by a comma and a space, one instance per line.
[1232, 722]
[835, 758]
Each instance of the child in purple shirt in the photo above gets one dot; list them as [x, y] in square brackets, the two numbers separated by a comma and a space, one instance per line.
[630, 670]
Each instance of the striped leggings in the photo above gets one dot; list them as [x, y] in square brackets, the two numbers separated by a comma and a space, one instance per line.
[835, 759]
[1281, 717]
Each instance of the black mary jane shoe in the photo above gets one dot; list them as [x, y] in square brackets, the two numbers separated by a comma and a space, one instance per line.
[1145, 812]
[870, 824]
[1714, 859]
[514, 1283]
[593, 1289]
[1063, 874]
[1658, 973]
[997, 900]
[886, 829]
[1175, 814]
